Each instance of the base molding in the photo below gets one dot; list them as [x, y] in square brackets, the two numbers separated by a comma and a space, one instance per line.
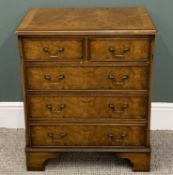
[37, 158]
[90, 149]
[36, 161]
[140, 161]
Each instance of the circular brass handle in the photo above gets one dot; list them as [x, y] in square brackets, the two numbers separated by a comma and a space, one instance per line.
[63, 134]
[125, 77]
[47, 77]
[45, 49]
[61, 49]
[111, 106]
[111, 77]
[125, 106]
[124, 134]
[111, 49]
[61, 77]
[49, 106]
[126, 49]
[50, 134]
[111, 135]
[62, 106]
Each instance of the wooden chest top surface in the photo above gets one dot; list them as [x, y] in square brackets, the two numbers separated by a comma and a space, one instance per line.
[131, 20]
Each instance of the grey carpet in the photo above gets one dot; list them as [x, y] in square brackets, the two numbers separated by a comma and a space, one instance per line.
[12, 158]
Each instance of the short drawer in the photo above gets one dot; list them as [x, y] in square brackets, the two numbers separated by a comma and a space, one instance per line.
[46, 49]
[119, 49]
[87, 107]
[87, 135]
[80, 78]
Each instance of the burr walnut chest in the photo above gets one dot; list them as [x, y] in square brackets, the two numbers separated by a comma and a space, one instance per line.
[87, 77]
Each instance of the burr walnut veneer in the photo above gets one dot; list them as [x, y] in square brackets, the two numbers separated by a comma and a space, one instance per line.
[87, 82]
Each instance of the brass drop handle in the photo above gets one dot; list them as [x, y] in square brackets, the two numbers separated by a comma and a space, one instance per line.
[112, 50]
[51, 80]
[61, 135]
[60, 108]
[111, 77]
[118, 83]
[59, 50]
[112, 136]
[61, 77]
[45, 49]
[113, 108]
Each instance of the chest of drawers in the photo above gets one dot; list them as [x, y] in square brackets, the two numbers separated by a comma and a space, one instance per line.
[87, 77]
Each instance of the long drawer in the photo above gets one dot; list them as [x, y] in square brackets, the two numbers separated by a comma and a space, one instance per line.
[92, 78]
[87, 135]
[91, 107]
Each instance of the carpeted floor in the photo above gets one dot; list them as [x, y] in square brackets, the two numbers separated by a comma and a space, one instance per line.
[12, 158]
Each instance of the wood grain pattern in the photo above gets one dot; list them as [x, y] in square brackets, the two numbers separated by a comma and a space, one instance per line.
[140, 161]
[86, 21]
[87, 76]
[92, 78]
[87, 135]
[150, 89]
[36, 160]
[57, 49]
[123, 49]
[87, 107]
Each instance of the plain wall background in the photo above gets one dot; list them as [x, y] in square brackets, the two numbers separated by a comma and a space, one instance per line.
[12, 11]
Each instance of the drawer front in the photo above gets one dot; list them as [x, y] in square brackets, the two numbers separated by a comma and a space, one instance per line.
[82, 107]
[87, 135]
[52, 49]
[78, 78]
[119, 49]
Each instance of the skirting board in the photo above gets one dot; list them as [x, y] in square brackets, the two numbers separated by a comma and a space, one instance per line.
[12, 115]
